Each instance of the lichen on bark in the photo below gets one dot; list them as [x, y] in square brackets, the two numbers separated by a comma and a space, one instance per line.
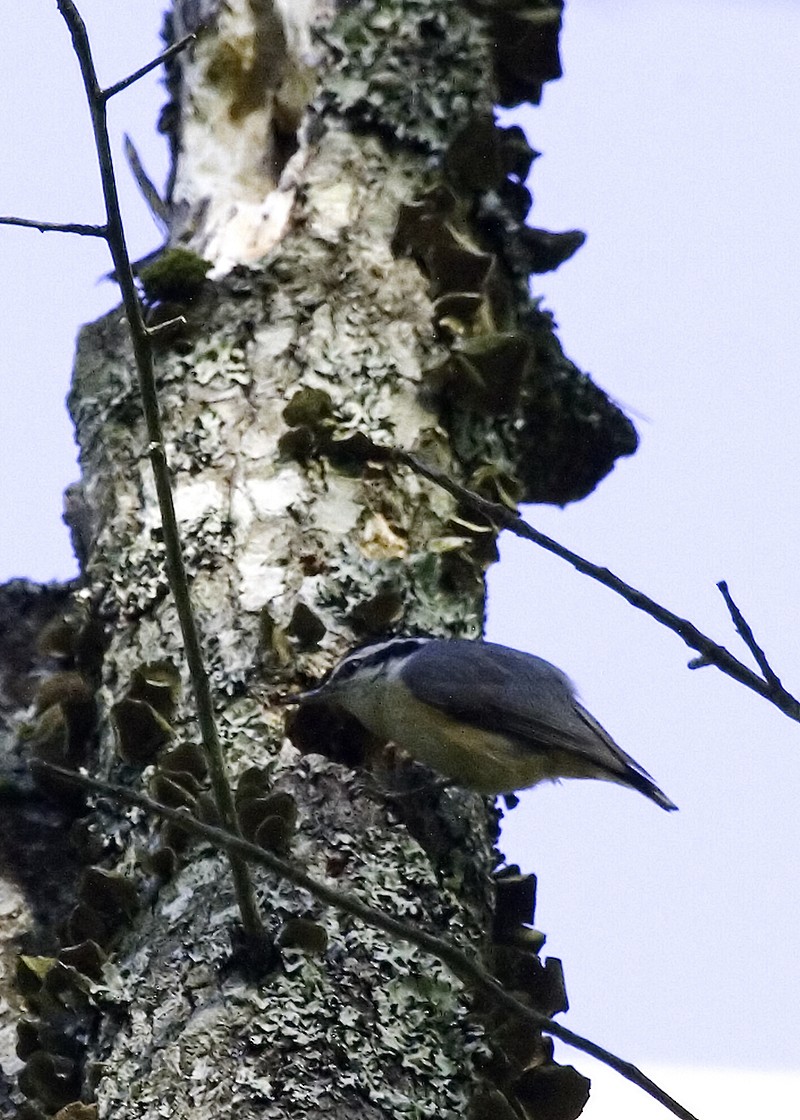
[264, 532]
[322, 333]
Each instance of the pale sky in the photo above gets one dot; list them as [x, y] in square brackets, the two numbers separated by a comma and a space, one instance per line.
[672, 141]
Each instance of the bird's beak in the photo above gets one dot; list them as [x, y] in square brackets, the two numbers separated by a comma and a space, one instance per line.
[297, 697]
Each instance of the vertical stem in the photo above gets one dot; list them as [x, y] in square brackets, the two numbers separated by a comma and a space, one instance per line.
[176, 569]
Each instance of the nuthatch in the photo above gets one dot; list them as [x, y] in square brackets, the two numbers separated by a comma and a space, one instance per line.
[491, 718]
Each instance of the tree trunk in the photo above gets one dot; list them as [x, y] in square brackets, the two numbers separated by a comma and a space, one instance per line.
[363, 219]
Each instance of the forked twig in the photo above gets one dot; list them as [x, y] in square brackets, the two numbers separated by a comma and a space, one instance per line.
[748, 637]
[768, 686]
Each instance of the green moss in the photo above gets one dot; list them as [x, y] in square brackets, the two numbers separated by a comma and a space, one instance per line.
[176, 275]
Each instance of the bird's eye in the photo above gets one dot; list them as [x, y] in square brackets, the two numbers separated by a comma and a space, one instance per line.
[346, 669]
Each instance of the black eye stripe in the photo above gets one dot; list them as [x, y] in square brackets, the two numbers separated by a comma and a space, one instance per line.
[372, 655]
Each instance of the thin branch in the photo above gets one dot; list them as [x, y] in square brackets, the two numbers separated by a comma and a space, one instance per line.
[167, 325]
[460, 964]
[176, 569]
[711, 653]
[57, 227]
[747, 636]
[147, 188]
[170, 52]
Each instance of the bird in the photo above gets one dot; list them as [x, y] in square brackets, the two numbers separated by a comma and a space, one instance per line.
[490, 718]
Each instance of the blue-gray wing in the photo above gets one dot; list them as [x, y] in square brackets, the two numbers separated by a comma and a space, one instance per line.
[515, 693]
[491, 686]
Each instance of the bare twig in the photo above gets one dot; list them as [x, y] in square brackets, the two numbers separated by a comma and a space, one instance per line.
[748, 637]
[56, 227]
[165, 56]
[460, 964]
[166, 326]
[147, 188]
[711, 652]
[176, 570]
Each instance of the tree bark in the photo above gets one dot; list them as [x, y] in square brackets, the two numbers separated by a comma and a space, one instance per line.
[363, 220]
